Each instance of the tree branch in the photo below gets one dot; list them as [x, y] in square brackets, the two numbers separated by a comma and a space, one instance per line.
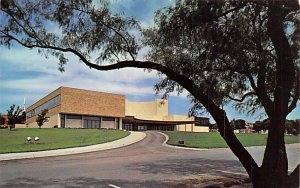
[111, 28]
[243, 98]
[285, 70]
[262, 96]
[31, 34]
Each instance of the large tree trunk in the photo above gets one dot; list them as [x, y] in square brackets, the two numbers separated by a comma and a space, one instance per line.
[221, 119]
[274, 170]
[226, 131]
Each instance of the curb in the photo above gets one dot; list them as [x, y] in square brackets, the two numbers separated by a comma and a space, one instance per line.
[178, 147]
[130, 139]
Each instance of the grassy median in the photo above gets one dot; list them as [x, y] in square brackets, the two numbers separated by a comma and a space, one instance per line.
[15, 140]
[214, 140]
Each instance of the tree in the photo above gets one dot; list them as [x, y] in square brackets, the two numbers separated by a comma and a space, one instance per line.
[14, 116]
[2, 119]
[261, 125]
[219, 51]
[42, 118]
[22, 117]
[238, 124]
[292, 127]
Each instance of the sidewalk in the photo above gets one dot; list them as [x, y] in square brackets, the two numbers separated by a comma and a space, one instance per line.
[131, 139]
[179, 147]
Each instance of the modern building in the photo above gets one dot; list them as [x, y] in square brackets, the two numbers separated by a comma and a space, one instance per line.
[153, 115]
[78, 108]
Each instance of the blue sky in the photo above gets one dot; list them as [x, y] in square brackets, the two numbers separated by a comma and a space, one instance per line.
[25, 73]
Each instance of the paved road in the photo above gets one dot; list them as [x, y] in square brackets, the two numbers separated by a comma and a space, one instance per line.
[144, 164]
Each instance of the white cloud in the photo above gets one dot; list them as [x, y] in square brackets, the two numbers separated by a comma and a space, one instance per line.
[45, 77]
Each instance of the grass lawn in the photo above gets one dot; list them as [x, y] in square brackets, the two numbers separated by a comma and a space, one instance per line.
[15, 140]
[214, 140]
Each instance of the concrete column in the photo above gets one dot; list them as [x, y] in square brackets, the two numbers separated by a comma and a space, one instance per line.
[120, 123]
[58, 121]
[101, 122]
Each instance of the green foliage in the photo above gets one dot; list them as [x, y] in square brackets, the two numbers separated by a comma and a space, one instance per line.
[15, 140]
[238, 124]
[81, 26]
[292, 127]
[223, 47]
[42, 118]
[14, 115]
[222, 51]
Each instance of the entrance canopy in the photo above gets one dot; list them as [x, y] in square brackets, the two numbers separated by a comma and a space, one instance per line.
[130, 123]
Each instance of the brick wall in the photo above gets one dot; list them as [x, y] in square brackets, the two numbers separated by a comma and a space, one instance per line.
[85, 102]
[82, 102]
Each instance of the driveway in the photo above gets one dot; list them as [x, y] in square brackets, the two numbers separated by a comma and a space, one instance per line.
[143, 164]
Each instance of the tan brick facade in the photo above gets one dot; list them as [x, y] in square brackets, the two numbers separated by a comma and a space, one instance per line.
[79, 102]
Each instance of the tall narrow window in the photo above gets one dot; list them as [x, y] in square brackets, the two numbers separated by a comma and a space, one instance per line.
[62, 121]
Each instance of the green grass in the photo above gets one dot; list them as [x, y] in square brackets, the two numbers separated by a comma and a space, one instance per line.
[15, 140]
[214, 140]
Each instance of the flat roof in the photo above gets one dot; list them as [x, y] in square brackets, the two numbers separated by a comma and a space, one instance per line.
[132, 119]
[61, 87]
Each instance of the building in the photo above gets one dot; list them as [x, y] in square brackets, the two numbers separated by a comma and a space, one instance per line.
[78, 108]
[3, 121]
[153, 115]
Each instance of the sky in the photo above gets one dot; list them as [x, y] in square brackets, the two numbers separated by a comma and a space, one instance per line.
[26, 74]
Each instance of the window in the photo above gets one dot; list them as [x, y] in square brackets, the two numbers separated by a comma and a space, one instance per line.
[47, 105]
[91, 122]
[62, 121]
[73, 117]
[91, 118]
[108, 119]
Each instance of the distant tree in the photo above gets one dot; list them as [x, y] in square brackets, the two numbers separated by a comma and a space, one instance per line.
[292, 127]
[257, 126]
[261, 125]
[42, 118]
[219, 51]
[22, 118]
[213, 126]
[238, 124]
[14, 116]
[2, 119]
